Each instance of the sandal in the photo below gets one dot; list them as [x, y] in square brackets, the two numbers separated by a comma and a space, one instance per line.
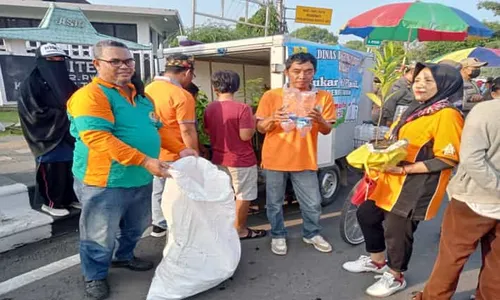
[254, 234]
[417, 295]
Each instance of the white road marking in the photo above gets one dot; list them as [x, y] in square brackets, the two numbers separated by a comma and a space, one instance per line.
[45, 271]
[68, 262]
[37, 274]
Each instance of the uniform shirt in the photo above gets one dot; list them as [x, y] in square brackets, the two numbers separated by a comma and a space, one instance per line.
[470, 90]
[419, 196]
[290, 152]
[175, 106]
[114, 133]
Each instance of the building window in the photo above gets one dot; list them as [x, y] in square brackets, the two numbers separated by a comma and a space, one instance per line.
[123, 31]
[31, 46]
[7, 22]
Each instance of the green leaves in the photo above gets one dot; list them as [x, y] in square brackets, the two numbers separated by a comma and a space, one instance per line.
[315, 34]
[387, 62]
[375, 99]
[201, 104]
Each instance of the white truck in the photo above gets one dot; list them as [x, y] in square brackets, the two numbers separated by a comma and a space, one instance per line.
[341, 71]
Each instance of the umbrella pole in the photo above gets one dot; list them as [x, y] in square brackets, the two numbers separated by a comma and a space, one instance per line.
[407, 46]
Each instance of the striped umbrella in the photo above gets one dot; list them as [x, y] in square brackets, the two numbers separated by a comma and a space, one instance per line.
[423, 21]
[491, 56]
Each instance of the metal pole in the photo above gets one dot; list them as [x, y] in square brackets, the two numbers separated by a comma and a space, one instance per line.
[246, 11]
[222, 8]
[266, 27]
[194, 14]
[280, 9]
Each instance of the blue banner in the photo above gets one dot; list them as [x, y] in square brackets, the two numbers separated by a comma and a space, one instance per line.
[339, 72]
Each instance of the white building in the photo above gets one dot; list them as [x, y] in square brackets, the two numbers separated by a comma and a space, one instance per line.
[144, 26]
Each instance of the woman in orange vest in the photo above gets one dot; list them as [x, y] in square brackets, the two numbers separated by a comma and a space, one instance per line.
[413, 191]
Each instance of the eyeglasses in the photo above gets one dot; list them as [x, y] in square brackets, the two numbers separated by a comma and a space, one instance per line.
[130, 62]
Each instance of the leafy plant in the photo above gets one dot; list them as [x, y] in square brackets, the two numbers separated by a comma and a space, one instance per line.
[254, 89]
[388, 62]
[201, 104]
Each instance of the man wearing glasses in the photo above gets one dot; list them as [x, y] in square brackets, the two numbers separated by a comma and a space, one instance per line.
[175, 107]
[118, 140]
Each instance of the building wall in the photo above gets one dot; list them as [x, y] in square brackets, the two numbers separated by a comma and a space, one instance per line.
[143, 26]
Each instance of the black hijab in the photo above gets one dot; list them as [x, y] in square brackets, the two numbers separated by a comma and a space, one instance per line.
[56, 75]
[138, 84]
[449, 82]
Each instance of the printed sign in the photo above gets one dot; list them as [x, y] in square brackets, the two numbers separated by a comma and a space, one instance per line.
[313, 15]
[339, 72]
[373, 43]
[15, 68]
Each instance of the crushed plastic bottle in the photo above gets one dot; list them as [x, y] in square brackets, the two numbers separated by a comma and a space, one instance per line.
[304, 125]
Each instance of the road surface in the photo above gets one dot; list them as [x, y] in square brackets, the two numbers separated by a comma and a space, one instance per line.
[304, 274]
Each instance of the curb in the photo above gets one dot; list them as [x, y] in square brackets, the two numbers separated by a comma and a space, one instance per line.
[20, 224]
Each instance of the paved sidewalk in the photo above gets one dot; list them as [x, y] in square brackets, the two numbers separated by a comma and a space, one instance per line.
[18, 164]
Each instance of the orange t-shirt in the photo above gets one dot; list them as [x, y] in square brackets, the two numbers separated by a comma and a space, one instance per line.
[420, 195]
[174, 105]
[290, 152]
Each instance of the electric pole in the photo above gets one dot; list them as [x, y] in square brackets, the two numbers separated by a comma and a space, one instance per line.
[281, 11]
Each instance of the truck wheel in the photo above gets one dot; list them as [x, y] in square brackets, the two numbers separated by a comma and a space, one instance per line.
[329, 184]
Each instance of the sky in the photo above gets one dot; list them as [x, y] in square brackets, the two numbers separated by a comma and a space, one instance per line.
[343, 10]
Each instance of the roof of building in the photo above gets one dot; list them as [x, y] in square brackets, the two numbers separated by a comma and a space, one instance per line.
[64, 26]
[94, 7]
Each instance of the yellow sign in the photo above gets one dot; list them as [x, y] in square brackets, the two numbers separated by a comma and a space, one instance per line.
[313, 15]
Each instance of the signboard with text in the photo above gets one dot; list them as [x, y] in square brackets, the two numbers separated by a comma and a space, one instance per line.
[373, 43]
[313, 15]
[339, 72]
[15, 68]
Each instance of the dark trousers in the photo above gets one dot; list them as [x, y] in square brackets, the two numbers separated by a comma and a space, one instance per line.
[54, 184]
[463, 229]
[396, 237]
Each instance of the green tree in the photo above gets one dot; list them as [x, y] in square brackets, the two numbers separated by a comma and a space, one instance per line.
[206, 34]
[259, 18]
[315, 34]
[355, 45]
[494, 6]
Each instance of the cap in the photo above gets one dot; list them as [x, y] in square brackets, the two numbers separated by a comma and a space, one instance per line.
[472, 62]
[179, 61]
[452, 63]
[489, 80]
[50, 50]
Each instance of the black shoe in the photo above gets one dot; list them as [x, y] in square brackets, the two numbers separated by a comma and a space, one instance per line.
[96, 289]
[158, 231]
[135, 264]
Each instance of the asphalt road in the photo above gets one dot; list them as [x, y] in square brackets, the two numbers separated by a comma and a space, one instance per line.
[304, 274]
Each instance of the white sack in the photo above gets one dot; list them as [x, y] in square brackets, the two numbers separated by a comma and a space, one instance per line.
[203, 248]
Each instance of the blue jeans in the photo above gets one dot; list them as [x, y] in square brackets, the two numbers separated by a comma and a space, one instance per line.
[157, 212]
[306, 188]
[112, 221]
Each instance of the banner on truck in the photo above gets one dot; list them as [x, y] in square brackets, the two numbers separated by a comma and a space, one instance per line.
[339, 72]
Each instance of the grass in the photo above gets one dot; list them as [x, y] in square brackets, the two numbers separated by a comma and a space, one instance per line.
[9, 116]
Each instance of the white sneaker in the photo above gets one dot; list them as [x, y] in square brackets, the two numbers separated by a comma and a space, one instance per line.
[472, 297]
[56, 212]
[76, 205]
[319, 243]
[364, 264]
[278, 246]
[385, 286]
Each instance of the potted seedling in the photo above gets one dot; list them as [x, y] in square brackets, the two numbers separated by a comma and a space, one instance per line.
[387, 64]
